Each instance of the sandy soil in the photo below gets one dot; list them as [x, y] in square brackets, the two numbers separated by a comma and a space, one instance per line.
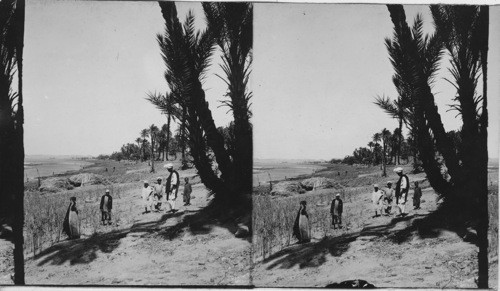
[188, 247]
[158, 249]
[386, 251]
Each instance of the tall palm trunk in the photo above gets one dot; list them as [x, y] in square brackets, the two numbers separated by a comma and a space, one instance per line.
[384, 149]
[18, 152]
[482, 229]
[182, 138]
[167, 144]
[152, 152]
[400, 137]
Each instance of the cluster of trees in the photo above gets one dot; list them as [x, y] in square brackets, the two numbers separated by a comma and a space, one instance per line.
[11, 126]
[461, 32]
[386, 147]
[222, 156]
[154, 143]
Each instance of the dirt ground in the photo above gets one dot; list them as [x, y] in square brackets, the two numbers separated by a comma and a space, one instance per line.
[158, 248]
[148, 253]
[386, 251]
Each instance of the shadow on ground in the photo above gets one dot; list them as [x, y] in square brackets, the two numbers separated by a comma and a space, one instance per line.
[84, 251]
[398, 230]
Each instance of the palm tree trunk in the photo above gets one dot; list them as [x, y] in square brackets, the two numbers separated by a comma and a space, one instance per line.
[182, 138]
[384, 173]
[400, 139]
[214, 139]
[152, 153]
[482, 229]
[167, 146]
[18, 151]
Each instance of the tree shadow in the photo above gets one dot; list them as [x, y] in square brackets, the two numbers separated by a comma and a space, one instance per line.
[203, 221]
[84, 250]
[398, 230]
[81, 251]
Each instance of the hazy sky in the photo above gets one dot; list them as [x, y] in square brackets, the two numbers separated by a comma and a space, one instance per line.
[88, 67]
[317, 70]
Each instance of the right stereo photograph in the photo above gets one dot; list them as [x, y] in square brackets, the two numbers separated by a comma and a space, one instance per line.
[375, 146]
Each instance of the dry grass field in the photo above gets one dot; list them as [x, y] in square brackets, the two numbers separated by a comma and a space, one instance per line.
[277, 256]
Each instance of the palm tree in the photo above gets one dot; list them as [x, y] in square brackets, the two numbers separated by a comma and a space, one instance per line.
[11, 126]
[232, 26]
[371, 145]
[396, 109]
[415, 59]
[144, 135]
[153, 132]
[186, 54]
[462, 31]
[166, 103]
[138, 141]
[385, 136]
[377, 137]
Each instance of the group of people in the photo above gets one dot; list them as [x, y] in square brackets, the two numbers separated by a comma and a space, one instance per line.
[154, 196]
[382, 199]
[71, 223]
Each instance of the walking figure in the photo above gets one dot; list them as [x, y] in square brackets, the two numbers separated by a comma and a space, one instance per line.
[106, 206]
[336, 211]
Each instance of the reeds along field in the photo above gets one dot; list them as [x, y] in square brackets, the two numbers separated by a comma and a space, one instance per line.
[273, 217]
[44, 214]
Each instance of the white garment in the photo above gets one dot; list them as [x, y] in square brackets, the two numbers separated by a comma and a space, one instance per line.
[402, 207]
[146, 196]
[376, 197]
[158, 189]
[403, 183]
[172, 203]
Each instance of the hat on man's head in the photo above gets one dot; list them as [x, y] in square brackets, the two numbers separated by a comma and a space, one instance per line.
[107, 190]
[398, 170]
[337, 195]
[146, 182]
[389, 182]
[375, 185]
[169, 166]
[159, 178]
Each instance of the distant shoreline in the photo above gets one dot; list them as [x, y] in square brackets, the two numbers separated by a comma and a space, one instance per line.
[48, 167]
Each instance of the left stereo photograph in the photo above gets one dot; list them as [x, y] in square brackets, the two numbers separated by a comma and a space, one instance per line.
[126, 143]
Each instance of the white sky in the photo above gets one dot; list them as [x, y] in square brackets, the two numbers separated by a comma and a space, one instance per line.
[87, 69]
[317, 70]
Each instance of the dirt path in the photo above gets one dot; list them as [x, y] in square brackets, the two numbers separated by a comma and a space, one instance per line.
[154, 250]
[387, 252]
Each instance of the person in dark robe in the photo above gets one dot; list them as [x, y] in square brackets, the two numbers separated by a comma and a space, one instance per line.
[336, 211]
[172, 186]
[301, 228]
[71, 224]
[106, 206]
[417, 194]
[402, 188]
